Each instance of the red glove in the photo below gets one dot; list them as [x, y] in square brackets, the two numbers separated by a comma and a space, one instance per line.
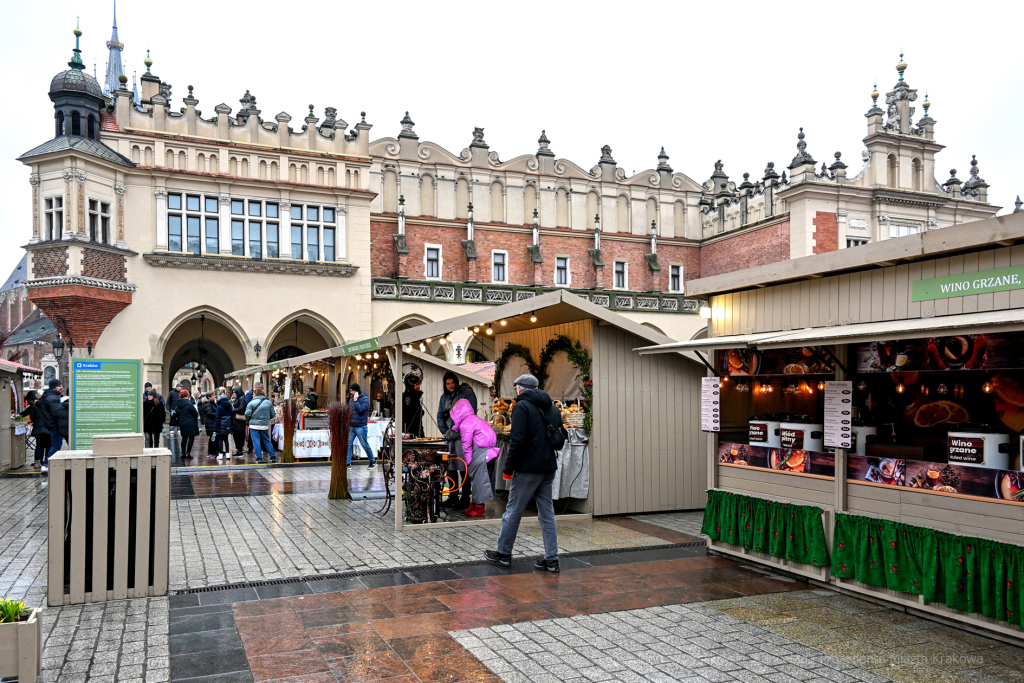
[506, 476]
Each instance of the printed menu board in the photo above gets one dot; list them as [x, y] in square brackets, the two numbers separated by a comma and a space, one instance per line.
[106, 398]
[838, 414]
[710, 405]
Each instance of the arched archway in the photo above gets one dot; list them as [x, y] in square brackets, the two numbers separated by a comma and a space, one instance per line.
[407, 322]
[202, 335]
[313, 333]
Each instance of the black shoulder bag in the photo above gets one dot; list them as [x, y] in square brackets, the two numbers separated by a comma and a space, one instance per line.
[557, 436]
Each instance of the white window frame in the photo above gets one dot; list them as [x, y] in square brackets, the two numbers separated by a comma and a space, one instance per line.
[625, 275]
[440, 261]
[100, 215]
[861, 241]
[682, 281]
[568, 270]
[54, 216]
[503, 252]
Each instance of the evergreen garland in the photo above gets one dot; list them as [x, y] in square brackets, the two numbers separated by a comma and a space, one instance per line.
[507, 353]
[580, 359]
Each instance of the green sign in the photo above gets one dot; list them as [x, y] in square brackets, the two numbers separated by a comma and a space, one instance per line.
[106, 398]
[360, 347]
[998, 280]
[274, 366]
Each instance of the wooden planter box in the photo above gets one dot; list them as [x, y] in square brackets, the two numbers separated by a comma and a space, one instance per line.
[21, 648]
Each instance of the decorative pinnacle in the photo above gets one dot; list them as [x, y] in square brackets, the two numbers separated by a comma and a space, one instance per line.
[663, 161]
[76, 57]
[902, 66]
[147, 61]
[543, 145]
[874, 95]
[926, 103]
[189, 90]
[123, 80]
[654, 228]
[310, 108]
[363, 115]
[1017, 205]
[401, 200]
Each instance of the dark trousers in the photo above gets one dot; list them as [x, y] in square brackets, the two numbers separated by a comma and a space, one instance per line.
[152, 439]
[239, 437]
[42, 446]
[186, 446]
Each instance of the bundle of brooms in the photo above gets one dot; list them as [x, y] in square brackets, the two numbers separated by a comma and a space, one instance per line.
[290, 412]
[339, 421]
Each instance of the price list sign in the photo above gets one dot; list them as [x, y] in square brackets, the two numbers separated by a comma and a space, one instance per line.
[106, 398]
[710, 404]
[839, 414]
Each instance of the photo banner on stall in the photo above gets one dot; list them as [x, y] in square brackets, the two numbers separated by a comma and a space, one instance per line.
[710, 404]
[839, 414]
[106, 398]
[951, 478]
[791, 460]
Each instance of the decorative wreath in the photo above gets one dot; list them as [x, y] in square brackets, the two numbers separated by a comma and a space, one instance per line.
[580, 359]
[507, 353]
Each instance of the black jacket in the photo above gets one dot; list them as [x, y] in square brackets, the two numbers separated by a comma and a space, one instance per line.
[208, 414]
[63, 420]
[311, 400]
[153, 415]
[444, 406]
[412, 413]
[51, 408]
[37, 413]
[238, 405]
[188, 417]
[528, 449]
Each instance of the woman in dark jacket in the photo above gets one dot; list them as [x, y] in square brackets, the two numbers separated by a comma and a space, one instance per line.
[153, 415]
[238, 405]
[188, 423]
[208, 416]
[224, 419]
[36, 412]
[64, 419]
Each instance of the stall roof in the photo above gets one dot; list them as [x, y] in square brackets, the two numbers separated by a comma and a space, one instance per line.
[11, 366]
[967, 237]
[966, 323]
[461, 370]
[553, 308]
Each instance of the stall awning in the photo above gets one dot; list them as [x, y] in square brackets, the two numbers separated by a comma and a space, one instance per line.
[966, 323]
[460, 370]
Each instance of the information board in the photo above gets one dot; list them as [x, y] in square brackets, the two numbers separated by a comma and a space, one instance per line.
[838, 414]
[710, 404]
[106, 398]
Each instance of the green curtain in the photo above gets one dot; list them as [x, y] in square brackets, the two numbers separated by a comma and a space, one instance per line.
[784, 530]
[963, 573]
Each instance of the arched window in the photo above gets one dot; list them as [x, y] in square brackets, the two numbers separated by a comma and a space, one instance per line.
[918, 175]
[462, 198]
[497, 203]
[348, 178]
[245, 168]
[331, 177]
[91, 130]
[562, 208]
[679, 219]
[593, 208]
[182, 160]
[529, 203]
[201, 162]
[892, 176]
[622, 214]
[319, 175]
[59, 127]
[169, 158]
[150, 156]
[214, 167]
[76, 123]
[652, 214]
[305, 173]
[136, 154]
[390, 191]
[263, 169]
[233, 165]
[293, 173]
[427, 195]
[274, 171]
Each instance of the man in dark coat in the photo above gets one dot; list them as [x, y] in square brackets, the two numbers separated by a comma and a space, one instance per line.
[51, 405]
[311, 399]
[238, 405]
[530, 465]
[188, 423]
[360, 403]
[412, 407]
[453, 391]
[208, 416]
[36, 412]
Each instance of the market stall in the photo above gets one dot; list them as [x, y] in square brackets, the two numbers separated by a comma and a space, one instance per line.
[641, 452]
[867, 407]
[13, 443]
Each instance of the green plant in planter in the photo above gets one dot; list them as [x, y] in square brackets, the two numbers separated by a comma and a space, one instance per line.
[10, 611]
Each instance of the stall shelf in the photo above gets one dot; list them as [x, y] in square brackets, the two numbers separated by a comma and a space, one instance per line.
[646, 448]
[928, 330]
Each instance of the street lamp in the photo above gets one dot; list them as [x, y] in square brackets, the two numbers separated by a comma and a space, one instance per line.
[58, 348]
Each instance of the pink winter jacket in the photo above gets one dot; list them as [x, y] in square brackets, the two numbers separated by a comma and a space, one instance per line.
[474, 431]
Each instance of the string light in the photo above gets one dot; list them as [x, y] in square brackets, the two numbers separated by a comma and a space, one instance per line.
[358, 357]
[533, 316]
[476, 329]
[987, 387]
[428, 340]
[503, 323]
[376, 355]
[442, 341]
[489, 330]
[900, 388]
[821, 386]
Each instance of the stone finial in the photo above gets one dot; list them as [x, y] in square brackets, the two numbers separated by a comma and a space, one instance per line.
[606, 156]
[902, 66]
[543, 145]
[654, 227]
[407, 131]
[719, 173]
[838, 163]
[953, 180]
[478, 139]
[330, 117]
[123, 80]
[663, 162]
[746, 184]
[147, 61]
[248, 101]
[975, 180]
[769, 172]
[802, 157]
[1017, 205]
[875, 109]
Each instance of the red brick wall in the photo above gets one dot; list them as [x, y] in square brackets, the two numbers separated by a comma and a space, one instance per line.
[103, 265]
[519, 265]
[86, 310]
[826, 232]
[49, 262]
[755, 248]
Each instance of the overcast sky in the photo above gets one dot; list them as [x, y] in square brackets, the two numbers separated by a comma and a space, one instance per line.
[705, 80]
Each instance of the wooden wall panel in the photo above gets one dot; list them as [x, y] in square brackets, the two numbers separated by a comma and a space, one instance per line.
[776, 486]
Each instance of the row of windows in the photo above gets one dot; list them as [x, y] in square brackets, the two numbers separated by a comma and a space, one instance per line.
[53, 220]
[198, 216]
[432, 263]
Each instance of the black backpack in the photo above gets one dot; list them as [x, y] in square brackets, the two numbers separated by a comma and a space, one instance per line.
[557, 436]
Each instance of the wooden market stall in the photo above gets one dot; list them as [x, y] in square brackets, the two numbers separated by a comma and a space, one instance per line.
[645, 450]
[432, 370]
[872, 410]
[13, 429]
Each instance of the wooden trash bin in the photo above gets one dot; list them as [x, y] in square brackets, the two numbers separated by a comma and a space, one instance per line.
[109, 519]
[21, 647]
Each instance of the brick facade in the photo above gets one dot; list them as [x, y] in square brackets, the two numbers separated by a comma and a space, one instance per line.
[85, 311]
[826, 232]
[15, 308]
[757, 247]
[49, 262]
[104, 265]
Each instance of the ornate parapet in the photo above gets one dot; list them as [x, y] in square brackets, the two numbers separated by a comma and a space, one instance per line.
[234, 264]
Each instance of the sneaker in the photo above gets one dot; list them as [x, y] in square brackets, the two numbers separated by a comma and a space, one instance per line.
[44, 468]
[35, 465]
[547, 565]
[494, 557]
[372, 466]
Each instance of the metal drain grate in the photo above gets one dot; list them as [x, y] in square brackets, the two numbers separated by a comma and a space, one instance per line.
[423, 567]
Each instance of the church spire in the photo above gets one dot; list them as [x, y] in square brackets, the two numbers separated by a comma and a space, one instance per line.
[114, 67]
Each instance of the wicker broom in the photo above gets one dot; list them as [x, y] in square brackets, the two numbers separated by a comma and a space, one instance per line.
[339, 419]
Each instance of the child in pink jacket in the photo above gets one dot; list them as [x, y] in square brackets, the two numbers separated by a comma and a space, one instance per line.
[478, 448]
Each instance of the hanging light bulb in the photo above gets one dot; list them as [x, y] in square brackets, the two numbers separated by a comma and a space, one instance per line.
[942, 389]
[358, 357]
[376, 355]
[821, 386]
[489, 330]
[987, 387]
[476, 329]
[725, 378]
[442, 340]
[900, 388]
[428, 340]
[422, 347]
[504, 322]
[770, 388]
[533, 316]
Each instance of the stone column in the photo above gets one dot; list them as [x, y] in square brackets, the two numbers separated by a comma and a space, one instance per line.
[69, 206]
[225, 224]
[82, 229]
[161, 219]
[340, 246]
[119, 190]
[34, 181]
[284, 235]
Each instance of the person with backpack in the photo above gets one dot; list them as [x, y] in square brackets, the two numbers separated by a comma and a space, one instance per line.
[534, 439]
[479, 447]
[224, 422]
[260, 412]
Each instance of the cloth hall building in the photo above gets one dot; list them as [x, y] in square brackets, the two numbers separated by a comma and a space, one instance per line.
[160, 226]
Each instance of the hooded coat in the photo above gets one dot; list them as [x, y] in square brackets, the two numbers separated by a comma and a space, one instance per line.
[225, 418]
[474, 431]
[448, 399]
[529, 450]
[51, 408]
[208, 415]
[238, 405]
[188, 417]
